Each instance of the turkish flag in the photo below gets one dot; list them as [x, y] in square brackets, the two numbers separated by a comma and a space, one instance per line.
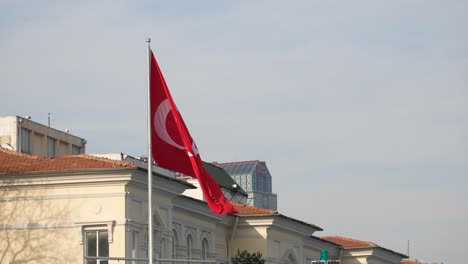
[173, 147]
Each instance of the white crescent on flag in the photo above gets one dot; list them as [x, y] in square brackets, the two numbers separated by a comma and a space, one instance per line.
[161, 130]
[160, 123]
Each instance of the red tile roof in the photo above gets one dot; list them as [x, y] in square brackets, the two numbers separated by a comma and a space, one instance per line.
[410, 261]
[349, 242]
[252, 210]
[248, 210]
[14, 162]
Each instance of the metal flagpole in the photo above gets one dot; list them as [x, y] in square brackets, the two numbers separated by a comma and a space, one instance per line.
[150, 165]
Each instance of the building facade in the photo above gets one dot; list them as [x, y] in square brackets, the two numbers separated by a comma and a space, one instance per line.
[72, 209]
[23, 135]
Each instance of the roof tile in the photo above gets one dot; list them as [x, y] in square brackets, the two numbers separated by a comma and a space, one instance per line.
[244, 209]
[14, 162]
[349, 242]
[410, 261]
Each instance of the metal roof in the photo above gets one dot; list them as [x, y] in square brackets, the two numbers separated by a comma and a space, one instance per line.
[222, 177]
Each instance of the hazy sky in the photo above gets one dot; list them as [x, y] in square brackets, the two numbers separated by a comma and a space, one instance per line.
[359, 108]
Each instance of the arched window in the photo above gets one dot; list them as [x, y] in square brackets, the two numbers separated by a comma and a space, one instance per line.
[189, 246]
[155, 238]
[174, 244]
[204, 253]
[162, 247]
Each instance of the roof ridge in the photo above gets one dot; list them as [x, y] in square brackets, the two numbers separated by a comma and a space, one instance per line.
[85, 156]
[91, 157]
[14, 162]
[369, 243]
[238, 162]
[249, 210]
[259, 211]
[410, 261]
[20, 154]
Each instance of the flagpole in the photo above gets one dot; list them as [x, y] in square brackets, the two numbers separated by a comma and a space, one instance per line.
[150, 165]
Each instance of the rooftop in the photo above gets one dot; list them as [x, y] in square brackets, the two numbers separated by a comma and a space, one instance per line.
[245, 210]
[14, 162]
[350, 243]
[410, 261]
[222, 177]
[238, 168]
[248, 210]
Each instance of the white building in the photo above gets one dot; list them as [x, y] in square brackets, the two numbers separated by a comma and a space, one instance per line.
[73, 208]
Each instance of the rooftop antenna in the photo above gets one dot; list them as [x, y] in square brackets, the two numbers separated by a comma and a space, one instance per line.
[48, 118]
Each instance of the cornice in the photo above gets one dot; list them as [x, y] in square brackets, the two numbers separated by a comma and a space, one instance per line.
[388, 255]
[195, 207]
[376, 252]
[161, 184]
[318, 243]
[63, 196]
[88, 176]
[94, 177]
[277, 222]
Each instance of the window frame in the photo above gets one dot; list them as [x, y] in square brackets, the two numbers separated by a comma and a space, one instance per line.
[25, 145]
[76, 148]
[189, 245]
[204, 248]
[134, 245]
[97, 230]
[98, 225]
[175, 242]
[162, 247]
[51, 145]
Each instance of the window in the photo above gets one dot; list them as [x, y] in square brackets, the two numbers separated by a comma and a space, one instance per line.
[25, 140]
[76, 150]
[265, 202]
[204, 253]
[268, 179]
[155, 237]
[174, 244]
[189, 246]
[96, 244]
[50, 147]
[162, 243]
[262, 184]
[134, 244]
[145, 244]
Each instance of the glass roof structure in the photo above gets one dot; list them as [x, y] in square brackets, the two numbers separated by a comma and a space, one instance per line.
[251, 175]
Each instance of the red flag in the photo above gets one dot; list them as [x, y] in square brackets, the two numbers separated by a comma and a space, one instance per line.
[173, 147]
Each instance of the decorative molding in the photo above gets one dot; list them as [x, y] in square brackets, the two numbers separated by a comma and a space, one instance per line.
[193, 233]
[62, 196]
[289, 256]
[50, 225]
[109, 224]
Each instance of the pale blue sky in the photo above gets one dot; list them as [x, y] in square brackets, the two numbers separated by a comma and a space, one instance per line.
[359, 108]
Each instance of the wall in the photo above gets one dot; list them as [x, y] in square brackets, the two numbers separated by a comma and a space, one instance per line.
[10, 137]
[42, 219]
[8, 133]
